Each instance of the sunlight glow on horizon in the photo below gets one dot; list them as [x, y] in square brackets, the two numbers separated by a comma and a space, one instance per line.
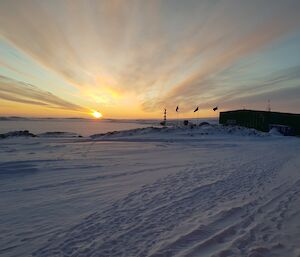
[97, 114]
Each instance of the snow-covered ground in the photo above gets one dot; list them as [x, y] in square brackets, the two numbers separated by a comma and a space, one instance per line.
[209, 191]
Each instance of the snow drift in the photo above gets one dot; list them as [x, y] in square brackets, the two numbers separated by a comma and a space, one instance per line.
[178, 133]
[21, 133]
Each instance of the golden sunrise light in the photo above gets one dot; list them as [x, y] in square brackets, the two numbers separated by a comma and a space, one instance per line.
[153, 127]
[96, 114]
[85, 56]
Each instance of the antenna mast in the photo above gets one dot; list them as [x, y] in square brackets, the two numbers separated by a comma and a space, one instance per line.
[269, 105]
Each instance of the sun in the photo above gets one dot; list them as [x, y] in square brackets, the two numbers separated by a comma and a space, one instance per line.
[96, 114]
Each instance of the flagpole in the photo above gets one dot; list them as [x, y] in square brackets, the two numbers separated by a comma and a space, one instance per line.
[196, 115]
[177, 111]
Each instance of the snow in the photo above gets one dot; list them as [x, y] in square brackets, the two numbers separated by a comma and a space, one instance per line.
[175, 191]
[181, 133]
[275, 132]
[20, 133]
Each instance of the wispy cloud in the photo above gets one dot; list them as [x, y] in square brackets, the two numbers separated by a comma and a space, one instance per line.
[165, 52]
[17, 91]
[191, 88]
[282, 87]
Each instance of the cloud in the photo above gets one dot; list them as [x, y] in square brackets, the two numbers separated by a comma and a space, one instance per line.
[281, 86]
[284, 100]
[17, 91]
[79, 43]
[165, 52]
[201, 80]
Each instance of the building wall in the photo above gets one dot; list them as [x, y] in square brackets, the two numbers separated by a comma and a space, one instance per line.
[261, 120]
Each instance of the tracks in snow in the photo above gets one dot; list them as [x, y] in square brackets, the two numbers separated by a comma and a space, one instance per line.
[204, 210]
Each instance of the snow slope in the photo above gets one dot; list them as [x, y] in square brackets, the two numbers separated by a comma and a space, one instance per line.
[212, 191]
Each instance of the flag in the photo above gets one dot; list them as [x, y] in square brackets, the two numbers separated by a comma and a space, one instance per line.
[196, 109]
[216, 108]
[177, 108]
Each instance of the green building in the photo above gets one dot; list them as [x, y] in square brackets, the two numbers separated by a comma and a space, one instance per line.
[288, 123]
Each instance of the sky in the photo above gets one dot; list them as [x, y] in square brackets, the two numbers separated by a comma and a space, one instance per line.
[133, 58]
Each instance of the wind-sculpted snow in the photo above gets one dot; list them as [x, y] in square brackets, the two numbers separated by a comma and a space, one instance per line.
[229, 195]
